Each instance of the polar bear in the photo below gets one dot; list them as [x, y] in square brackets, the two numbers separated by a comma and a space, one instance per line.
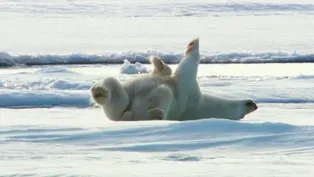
[113, 98]
[175, 97]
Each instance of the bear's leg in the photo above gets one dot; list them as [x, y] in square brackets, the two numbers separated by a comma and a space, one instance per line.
[127, 116]
[159, 101]
[112, 97]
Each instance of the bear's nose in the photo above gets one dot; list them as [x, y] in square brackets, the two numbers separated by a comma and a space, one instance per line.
[252, 104]
[255, 106]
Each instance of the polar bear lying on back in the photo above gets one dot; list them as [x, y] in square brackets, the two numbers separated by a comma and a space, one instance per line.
[111, 91]
[175, 97]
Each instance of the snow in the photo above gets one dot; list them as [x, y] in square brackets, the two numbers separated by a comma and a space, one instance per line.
[7, 60]
[129, 68]
[51, 53]
[50, 130]
[81, 142]
[69, 86]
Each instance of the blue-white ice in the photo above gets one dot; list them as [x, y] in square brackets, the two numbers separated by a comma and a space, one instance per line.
[49, 128]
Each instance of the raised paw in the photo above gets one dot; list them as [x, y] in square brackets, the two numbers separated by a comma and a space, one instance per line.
[156, 114]
[99, 94]
[192, 46]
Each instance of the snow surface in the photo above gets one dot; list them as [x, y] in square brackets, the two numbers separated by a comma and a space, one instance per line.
[48, 127]
[51, 52]
[60, 31]
[129, 68]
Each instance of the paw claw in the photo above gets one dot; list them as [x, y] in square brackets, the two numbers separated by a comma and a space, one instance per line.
[156, 114]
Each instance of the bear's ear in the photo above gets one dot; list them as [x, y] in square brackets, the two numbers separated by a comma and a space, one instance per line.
[192, 45]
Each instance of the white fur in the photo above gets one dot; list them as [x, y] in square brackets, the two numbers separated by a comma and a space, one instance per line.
[178, 97]
[114, 98]
[217, 107]
[198, 105]
[160, 68]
